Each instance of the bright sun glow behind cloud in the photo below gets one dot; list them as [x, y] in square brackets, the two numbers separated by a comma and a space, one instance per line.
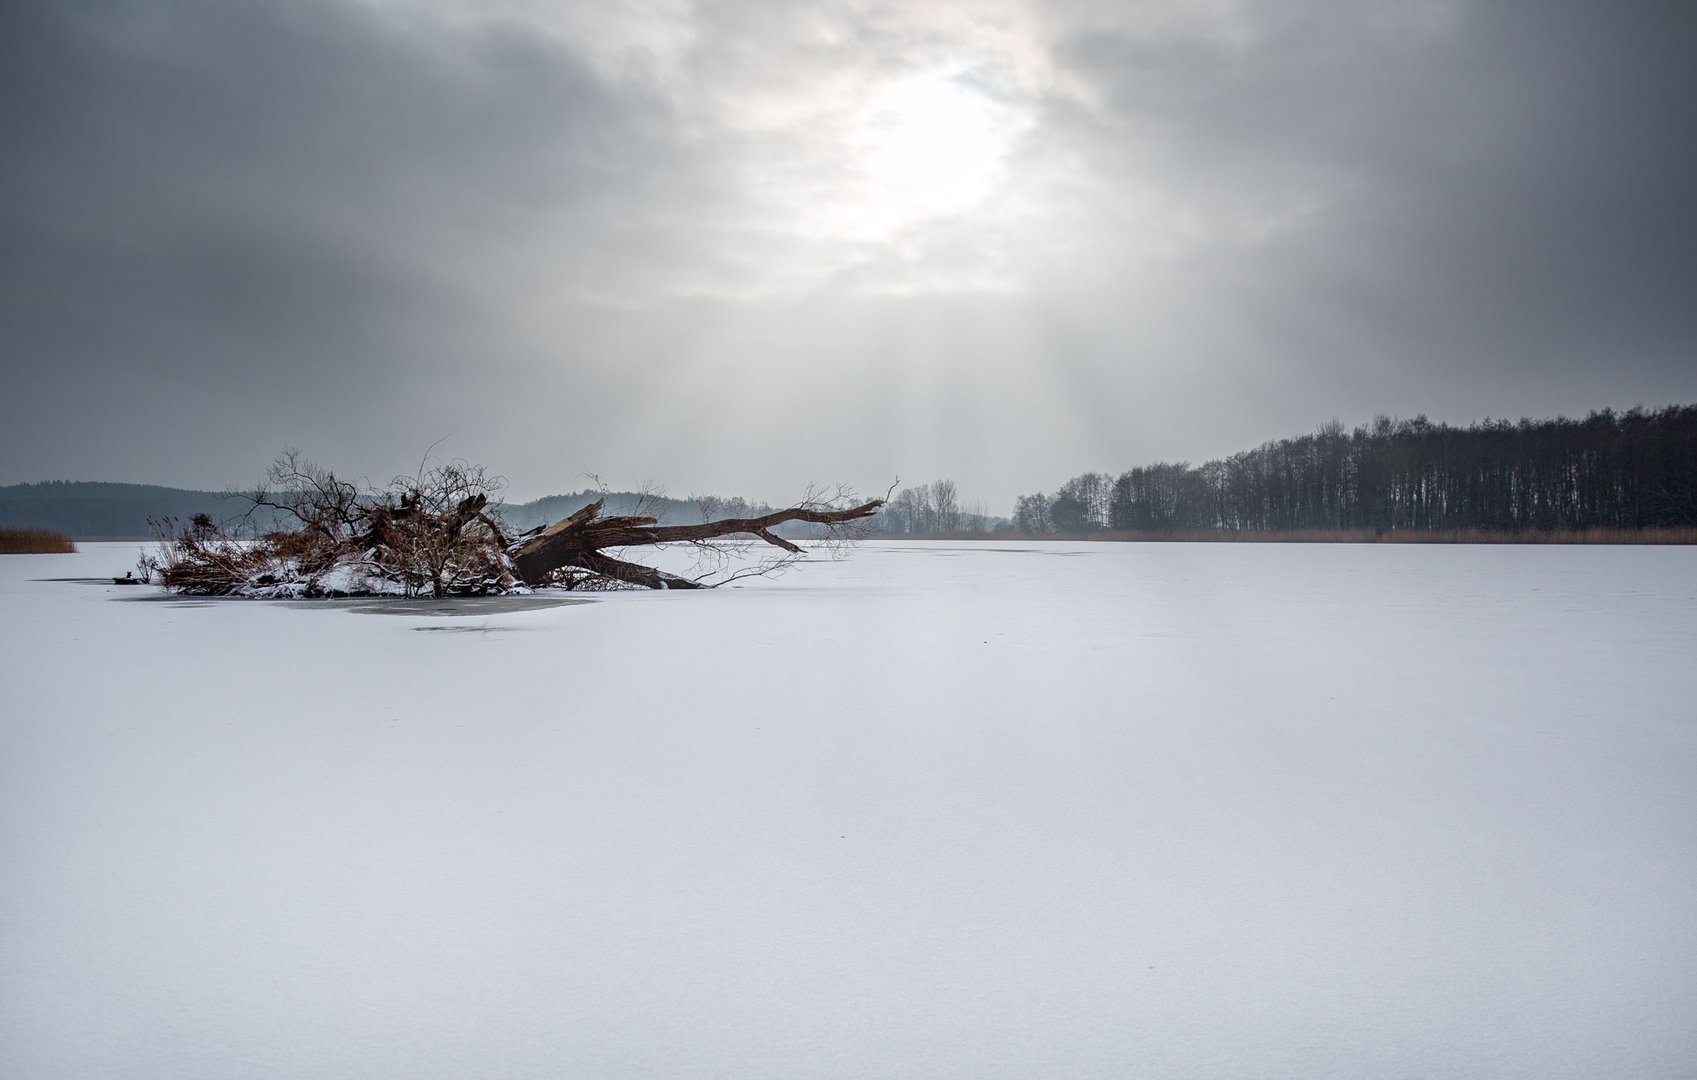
[898, 184]
[931, 146]
[900, 181]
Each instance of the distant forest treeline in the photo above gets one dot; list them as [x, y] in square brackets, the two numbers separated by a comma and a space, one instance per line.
[1629, 471]
[933, 508]
[1632, 470]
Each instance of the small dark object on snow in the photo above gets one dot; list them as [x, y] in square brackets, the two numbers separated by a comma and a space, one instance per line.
[129, 578]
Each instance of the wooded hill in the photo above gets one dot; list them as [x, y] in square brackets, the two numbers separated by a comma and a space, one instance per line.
[98, 511]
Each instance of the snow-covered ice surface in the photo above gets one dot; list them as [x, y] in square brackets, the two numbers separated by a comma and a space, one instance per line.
[941, 810]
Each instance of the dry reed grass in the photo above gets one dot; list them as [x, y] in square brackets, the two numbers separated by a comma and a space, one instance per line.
[1682, 535]
[34, 542]
[1670, 535]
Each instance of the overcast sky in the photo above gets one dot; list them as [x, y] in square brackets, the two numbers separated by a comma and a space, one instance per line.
[738, 247]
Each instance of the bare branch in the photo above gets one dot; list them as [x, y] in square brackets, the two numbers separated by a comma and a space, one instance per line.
[573, 541]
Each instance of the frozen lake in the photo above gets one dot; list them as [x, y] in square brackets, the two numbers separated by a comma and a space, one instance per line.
[1000, 810]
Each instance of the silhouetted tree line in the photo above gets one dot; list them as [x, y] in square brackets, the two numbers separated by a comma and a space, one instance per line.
[933, 508]
[1630, 470]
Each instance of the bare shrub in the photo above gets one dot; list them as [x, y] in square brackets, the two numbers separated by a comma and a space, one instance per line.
[433, 533]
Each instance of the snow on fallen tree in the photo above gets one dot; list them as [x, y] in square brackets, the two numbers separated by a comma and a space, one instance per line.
[440, 533]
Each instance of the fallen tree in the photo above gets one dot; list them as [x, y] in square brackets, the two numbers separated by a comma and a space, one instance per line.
[581, 541]
[440, 533]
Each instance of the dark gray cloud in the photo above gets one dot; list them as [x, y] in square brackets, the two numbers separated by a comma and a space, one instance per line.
[735, 247]
[275, 216]
[1488, 215]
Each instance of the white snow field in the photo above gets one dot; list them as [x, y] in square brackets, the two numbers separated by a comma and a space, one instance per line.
[945, 810]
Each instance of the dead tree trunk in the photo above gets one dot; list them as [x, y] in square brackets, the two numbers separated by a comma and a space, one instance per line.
[580, 541]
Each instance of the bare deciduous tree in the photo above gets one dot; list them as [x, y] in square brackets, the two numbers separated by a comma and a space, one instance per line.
[945, 505]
